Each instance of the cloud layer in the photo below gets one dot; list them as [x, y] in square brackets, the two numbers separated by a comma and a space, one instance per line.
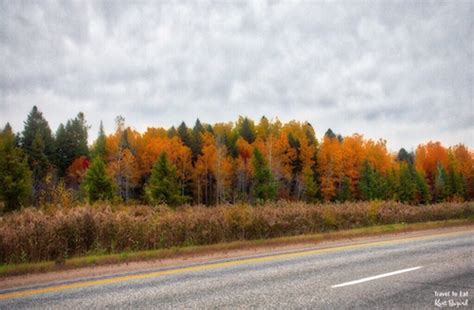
[395, 70]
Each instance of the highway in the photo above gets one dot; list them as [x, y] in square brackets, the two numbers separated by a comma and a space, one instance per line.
[424, 272]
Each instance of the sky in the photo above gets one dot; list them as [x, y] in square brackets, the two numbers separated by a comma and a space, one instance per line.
[397, 70]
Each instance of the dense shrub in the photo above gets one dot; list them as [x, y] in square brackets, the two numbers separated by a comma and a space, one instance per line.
[33, 235]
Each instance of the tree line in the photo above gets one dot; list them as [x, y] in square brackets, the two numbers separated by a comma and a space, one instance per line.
[245, 161]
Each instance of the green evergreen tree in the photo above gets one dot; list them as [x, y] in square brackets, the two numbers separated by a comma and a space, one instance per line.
[393, 185]
[39, 164]
[196, 139]
[71, 143]
[96, 184]
[172, 132]
[403, 155]
[246, 129]
[407, 190]
[15, 176]
[162, 186]
[264, 186]
[413, 187]
[372, 184]
[100, 148]
[423, 191]
[183, 134]
[330, 134]
[344, 193]
[311, 187]
[35, 125]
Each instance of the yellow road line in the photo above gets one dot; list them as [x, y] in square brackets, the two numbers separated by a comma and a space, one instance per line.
[213, 266]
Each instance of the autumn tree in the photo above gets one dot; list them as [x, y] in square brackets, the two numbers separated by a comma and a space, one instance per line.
[330, 167]
[123, 164]
[428, 157]
[162, 187]
[15, 176]
[76, 171]
[353, 156]
[243, 168]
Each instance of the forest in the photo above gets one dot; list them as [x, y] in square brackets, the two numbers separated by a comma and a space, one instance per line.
[236, 162]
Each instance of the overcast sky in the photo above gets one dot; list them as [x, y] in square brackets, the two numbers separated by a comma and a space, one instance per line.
[402, 71]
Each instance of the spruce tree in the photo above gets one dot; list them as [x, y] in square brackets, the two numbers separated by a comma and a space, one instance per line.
[407, 189]
[100, 149]
[246, 129]
[39, 164]
[162, 186]
[196, 139]
[97, 185]
[15, 176]
[183, 134]
[413, 187]
[344, 193]
[264, 187]
[423, 190]
[37, 124]
[372, 184]
[71, 142]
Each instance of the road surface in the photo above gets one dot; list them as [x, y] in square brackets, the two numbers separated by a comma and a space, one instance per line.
[429, 272]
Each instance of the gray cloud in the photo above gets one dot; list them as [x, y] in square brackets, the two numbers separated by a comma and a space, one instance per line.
[397, 70]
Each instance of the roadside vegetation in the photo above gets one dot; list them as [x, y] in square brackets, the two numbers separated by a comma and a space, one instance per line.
[35, 235]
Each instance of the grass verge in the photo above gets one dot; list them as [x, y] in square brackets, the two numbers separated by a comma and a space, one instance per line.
[7, 270]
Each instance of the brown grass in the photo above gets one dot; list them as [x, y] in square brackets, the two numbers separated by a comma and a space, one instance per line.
[59, 234]
[9, 270]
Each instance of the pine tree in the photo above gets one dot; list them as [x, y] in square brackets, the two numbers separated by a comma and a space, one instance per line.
[183, 134]
[15, 176]
[196, 139]
[372, 184]
[264, 187]
[100, 148]
[408, 188]
[344, 192]
[36, 124]
[39, 164]
[403, 155]
[171, 132]
[162, 187]
[97, 185]
[330, 134]
[246, 129]
[71, 142]
[423, 191]
[413, 187]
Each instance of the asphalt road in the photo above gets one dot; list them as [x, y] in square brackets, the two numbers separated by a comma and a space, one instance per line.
[399, 274]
